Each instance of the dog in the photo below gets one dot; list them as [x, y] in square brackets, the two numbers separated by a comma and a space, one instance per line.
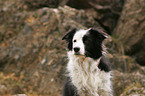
[88, 72]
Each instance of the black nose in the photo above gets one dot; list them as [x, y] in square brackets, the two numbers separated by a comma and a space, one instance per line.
[76, 49]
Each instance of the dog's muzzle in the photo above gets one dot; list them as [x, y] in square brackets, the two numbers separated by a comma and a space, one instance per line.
[77, 50]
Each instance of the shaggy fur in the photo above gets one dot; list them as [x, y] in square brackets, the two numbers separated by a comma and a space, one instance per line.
[88, 73]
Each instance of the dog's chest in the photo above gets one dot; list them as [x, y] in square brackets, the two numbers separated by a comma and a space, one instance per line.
[86, 76]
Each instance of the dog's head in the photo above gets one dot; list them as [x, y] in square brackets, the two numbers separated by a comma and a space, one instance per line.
[85, 42]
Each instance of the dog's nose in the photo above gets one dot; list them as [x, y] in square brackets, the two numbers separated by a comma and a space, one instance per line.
[76, 49]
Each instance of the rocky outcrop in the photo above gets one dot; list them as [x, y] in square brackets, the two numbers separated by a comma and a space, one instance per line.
[128, 75]
[130, 30]
[45, 3]
[37, 51]
[33, 56]
[106, 12]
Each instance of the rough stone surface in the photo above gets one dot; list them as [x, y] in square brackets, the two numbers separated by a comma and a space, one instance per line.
[45, 3]
[106, 12]
[37, 50]
[130, 30]
[33, 56]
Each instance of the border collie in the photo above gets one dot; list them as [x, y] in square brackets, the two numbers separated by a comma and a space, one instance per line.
[88, 74]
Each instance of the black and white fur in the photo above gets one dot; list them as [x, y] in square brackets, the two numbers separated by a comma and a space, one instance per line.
[88, 73]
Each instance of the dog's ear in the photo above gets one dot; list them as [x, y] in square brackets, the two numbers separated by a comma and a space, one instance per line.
[69, 35]
[98, 33]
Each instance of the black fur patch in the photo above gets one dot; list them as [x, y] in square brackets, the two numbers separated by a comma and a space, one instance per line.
[93, 43]
[104, 65]
[69, 36]
[69, 88]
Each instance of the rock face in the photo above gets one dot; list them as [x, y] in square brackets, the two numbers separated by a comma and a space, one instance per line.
[45, 3]
[130, 30]
[107, 11]
[33, 56]
[128, 76]
[37, 50]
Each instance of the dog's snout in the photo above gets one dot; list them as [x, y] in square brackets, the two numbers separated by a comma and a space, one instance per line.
[76, 49]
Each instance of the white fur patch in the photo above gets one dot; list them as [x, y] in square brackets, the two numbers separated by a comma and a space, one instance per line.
[87, 77]
[79, 42]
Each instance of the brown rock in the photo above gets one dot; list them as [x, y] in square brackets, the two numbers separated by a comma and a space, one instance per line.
[130, 30]
[107, 11]
[128, 84]
[38, 51]
[45, 3]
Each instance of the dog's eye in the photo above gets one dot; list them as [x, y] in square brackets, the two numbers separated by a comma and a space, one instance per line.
[75, 40]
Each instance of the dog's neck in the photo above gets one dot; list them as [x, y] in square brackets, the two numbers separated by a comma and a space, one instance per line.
[85, 74]
[86, 63]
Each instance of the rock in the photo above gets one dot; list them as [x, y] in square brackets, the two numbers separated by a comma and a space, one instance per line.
[38, 51]
[20, 95]
[79, 4]
[128, 75]
[33, 56]
[106, 12]
[85, 4]
[45, 3]
[3, 89]
[16, 89]
[130, 31]
[123, 63]
[129, 84]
